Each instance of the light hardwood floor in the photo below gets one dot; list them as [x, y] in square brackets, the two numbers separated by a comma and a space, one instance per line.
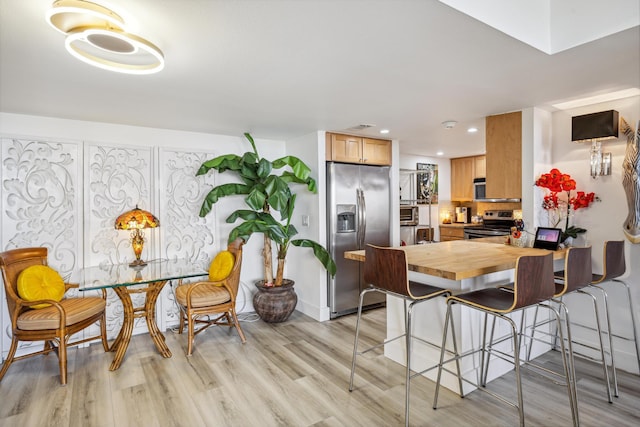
[290, 374]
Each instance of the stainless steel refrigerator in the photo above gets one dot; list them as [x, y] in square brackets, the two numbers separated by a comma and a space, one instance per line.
[358, 204]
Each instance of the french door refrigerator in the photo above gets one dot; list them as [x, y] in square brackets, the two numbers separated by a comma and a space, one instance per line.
[358, 199]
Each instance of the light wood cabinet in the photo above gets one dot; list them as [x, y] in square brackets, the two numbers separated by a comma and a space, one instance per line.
[504, 155]
[355, 149]
[480, 167]
[451, 233]
[463, 172]
[462, 178]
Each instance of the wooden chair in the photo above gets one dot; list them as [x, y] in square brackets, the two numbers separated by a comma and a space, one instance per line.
[386, 271]
[54, 324]
[200, 300]
[533, 285]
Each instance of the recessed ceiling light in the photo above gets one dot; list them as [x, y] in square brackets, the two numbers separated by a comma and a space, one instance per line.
[472, 130]
[384, 131]
[439, 153]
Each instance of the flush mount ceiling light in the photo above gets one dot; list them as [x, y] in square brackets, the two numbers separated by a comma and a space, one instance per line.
[96, 35]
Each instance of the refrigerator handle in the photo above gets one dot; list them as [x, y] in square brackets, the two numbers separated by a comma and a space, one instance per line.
[359, 227]
[364, 218]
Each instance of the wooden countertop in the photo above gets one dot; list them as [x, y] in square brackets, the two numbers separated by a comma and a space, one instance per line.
[462, 259]
[460, 225]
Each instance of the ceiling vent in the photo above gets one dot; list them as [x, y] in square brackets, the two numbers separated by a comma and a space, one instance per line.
[362, 127]
[602, 125]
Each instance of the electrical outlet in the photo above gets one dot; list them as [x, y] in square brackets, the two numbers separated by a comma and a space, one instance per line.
[305, 220]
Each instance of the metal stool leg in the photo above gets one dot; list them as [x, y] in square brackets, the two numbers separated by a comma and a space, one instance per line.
[633, 319]
[355, 343]
[602, 353]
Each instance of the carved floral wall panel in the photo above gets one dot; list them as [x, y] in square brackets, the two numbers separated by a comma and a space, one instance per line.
[183, 233]
[41, 190]
[117, 179]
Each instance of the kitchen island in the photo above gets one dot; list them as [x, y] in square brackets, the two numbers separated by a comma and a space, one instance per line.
[461, 266]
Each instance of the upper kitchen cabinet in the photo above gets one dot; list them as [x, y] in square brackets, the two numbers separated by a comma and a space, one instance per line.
[463, 171]
[479, 167]
[355, 149]
[504, 156]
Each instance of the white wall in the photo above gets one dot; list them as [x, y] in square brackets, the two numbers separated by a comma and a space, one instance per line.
[603, 220]
[302, 266]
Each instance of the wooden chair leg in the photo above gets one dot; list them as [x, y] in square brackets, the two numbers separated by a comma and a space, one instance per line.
[9, 359]
[103, 332]
[238, 328]
[190, 334]
[62, 355]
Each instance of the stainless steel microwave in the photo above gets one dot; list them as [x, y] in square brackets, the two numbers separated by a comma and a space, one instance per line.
[409, 215]
[479, 189]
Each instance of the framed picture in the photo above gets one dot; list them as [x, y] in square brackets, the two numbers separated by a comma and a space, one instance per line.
[427, 185]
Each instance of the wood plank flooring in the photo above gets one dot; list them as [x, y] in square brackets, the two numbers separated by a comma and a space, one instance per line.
[290, 374]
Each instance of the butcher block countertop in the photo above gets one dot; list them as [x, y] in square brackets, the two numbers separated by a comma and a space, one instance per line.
[462, 259]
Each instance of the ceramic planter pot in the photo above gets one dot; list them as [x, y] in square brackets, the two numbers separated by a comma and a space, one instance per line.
[275, 304]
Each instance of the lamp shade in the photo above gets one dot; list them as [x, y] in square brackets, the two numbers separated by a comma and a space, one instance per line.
[136, 219]
[602, 125]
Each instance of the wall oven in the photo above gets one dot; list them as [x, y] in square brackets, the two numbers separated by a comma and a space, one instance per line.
[409, 215]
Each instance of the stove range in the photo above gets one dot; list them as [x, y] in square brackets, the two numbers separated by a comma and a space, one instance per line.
[494, 223]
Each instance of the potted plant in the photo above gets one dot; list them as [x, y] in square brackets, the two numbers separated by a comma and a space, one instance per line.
[266, 193]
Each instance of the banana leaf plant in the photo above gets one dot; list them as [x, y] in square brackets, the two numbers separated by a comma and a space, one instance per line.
[265, 192]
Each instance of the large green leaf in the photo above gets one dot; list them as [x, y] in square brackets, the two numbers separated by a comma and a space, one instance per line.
[279, 193]
[264, 168]
[299, 168]
[221, 191]
[320, 252]
[256, 199]
[309, 182]
[224, 162]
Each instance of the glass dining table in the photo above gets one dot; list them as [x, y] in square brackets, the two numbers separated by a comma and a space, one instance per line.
[126, 280]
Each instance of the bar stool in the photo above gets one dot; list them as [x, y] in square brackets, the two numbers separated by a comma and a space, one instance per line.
[385, 270]
[533, 285]
[575, 276]
[614, 266]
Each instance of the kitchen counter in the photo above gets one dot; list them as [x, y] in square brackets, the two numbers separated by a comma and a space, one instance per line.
[460, 225]
[462, 259]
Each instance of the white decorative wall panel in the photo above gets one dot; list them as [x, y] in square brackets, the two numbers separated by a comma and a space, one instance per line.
[183, 233]
[41, 190]
[117, 179]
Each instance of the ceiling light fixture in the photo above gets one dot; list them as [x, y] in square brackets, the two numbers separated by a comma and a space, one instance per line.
[384, 131]
[472, 130]
[96, 35]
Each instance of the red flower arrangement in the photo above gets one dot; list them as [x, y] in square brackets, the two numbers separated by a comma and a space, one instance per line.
[558, 183]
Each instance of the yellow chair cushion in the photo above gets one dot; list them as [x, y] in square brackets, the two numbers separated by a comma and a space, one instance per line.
[221, 266]
[40, 282]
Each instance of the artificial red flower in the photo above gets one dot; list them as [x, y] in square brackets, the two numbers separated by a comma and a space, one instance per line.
[557, 182]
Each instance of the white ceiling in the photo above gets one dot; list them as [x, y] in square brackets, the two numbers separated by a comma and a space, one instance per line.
[281, 69]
